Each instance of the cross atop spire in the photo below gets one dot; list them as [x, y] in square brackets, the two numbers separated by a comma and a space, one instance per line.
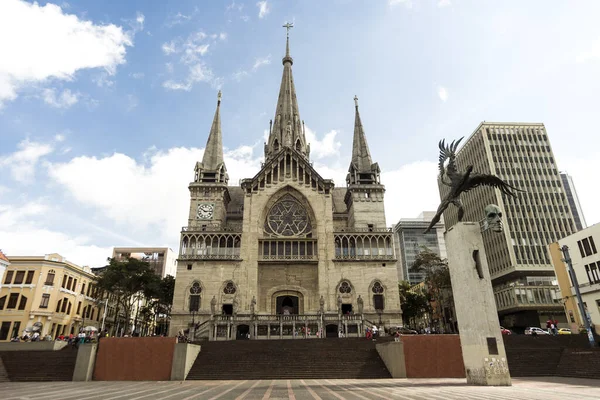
[287, 57]
[355, 101]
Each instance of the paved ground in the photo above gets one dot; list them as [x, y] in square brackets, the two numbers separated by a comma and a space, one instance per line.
[547, 389]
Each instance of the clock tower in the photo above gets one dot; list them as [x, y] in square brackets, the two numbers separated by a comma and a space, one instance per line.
[209, 193]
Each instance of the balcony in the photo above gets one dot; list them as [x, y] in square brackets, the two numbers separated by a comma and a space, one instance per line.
[210, 246]
[288, 250]
[368, 246]
[518, 298]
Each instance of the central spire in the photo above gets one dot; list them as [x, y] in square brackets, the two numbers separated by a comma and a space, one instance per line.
[287, 128]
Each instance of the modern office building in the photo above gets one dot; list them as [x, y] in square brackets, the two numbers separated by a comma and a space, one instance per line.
[162, 259]
[573, 199]
[522, 273]
[47, 293]
[411, 240]
[585, 258]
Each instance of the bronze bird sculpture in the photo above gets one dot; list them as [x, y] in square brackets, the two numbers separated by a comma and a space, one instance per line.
[462, 182]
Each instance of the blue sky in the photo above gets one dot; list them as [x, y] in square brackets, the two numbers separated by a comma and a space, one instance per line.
[105, 106]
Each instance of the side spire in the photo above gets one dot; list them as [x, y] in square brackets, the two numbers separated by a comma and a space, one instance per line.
[362, 170]
[212, 168]
[287, 129]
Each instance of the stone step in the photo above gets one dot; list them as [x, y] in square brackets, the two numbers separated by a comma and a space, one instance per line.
[27, 366]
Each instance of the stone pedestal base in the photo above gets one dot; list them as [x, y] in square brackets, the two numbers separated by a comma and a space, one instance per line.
[480, 337]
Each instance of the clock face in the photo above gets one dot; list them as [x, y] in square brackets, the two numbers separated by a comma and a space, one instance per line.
[205, 211]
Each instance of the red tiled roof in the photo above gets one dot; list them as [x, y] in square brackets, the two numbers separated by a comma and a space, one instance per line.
[3, 257]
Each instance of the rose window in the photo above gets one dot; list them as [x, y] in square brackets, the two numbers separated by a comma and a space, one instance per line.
[288, 218]
[345, 288]
[229, 288]
[377, 288]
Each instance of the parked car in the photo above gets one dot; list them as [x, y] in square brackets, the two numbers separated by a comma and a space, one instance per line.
[505, 331]
[564, 331]
[403, 330]
[538, 331]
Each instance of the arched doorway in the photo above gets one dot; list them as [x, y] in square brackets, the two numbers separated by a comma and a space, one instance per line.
[287, 305]
[331, 331]
[243, 332]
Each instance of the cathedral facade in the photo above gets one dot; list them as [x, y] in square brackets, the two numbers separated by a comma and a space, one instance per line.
[286, 252]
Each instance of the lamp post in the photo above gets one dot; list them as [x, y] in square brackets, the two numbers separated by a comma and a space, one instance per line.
[586, 321]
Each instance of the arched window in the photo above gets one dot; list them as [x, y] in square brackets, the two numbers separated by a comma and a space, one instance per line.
[345, 288]
[288, 217]
[275, 146]
[298, 145]
[229, 288]
[378, 300]
[195, 291]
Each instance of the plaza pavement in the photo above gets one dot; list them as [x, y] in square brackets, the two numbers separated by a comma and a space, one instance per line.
[523, 388]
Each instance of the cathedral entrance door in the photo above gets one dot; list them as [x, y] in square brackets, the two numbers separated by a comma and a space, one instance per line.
[243, 332]
[287, 305]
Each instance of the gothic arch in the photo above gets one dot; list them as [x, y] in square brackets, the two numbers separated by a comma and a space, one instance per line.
[187, 293]
[345, 289]
[295, 195]
[377, 288]
[299, 291]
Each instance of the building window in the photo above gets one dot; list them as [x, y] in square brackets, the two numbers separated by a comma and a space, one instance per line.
[189, 267]
[195, 291]
[64, 306]
[29, 277]
[50, 278]
[45, 300]
[69, 282]
[83, 288]
[69, 308]
[345, 288]
[8, 277]
[19, 276]
[2, 301]
[22, 303]
[78, 308]
[378, 300]
[587, 246]
[12, 300]
[4, 329]
[15, 329]
[58, 305]
[229, 288]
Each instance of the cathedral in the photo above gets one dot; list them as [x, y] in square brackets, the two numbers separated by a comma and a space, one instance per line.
[287, 253]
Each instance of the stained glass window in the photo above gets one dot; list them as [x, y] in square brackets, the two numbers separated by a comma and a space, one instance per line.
[195, 289]
[288, 218]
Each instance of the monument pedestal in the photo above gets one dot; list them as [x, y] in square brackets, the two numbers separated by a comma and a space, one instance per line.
[480, 337]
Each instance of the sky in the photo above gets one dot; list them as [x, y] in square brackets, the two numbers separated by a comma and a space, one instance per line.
[106, 106]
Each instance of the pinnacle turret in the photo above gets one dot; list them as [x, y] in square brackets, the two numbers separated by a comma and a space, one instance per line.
[212, 168]
[362, 169]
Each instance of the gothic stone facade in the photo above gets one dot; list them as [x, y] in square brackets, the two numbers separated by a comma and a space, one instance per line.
[287, 242]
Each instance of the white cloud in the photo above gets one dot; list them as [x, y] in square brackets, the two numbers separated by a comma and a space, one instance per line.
[138, 23]
[23, 163]
[132, 102]
[259, 62]
[103, 80]
[239, 75]
[592, 53]
[324, 148]
[59, 137]
[169, 48]
[138, 75]
[198, 72]
[234, 6]
[222, 35]
[169, 67]
[192, 52]
[22, 235]
[245, 18]
[45, 44]
[92, 181]
[406, 3]
[442, 93]
[178, 19]
[263, 8]
[444, 3]
[64, 100]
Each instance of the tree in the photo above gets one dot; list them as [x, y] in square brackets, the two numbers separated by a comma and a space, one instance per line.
[125, 280]
[437, 282]
[414, 303]
[160, 296]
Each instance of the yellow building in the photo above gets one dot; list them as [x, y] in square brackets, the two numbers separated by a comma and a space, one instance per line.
[564, 282]
[49, 290]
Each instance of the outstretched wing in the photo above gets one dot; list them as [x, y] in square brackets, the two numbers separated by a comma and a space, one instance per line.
[446, 152]
[490, 180]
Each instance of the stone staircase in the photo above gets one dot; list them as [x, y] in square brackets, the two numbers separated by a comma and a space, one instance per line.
[3, 373]
[349, 358]
[28, 366]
